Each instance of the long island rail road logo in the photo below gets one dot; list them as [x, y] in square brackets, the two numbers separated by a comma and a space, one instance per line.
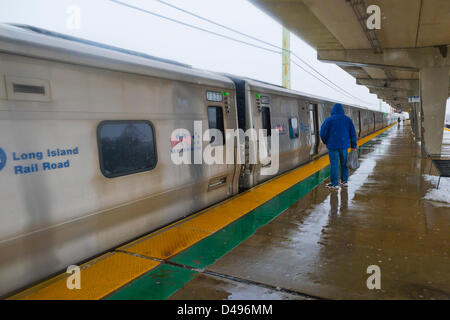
[2, 159]
[38, 161]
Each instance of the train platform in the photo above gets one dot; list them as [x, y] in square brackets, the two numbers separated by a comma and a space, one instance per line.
[292, 238]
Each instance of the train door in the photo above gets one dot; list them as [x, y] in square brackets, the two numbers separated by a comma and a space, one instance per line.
[216, 122]
[359, 124]
[266, 125]
[314, 128]
[374, 122]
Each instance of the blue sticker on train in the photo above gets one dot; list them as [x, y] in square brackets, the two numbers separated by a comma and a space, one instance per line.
[2, 159]
[304, 127]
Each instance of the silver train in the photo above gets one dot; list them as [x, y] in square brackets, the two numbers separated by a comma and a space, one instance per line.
[71, 114]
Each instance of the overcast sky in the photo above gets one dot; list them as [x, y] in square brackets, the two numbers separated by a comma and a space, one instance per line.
[107, 22]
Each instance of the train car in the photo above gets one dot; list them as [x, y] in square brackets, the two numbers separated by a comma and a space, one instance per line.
[297, 117]
[89, 133]
[356, 113]
[269, 107]
[71, 114]
[379, 121]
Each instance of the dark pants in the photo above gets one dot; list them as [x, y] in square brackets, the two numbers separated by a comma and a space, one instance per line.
[336, 156]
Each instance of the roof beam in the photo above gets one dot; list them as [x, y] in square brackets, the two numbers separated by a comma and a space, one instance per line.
[403, 59]
[359, 8]
[389, 92]
[396, 104]
[408, 84]
[393, 98]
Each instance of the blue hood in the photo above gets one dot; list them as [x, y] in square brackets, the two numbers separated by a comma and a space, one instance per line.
[338, 131]
[337, 109]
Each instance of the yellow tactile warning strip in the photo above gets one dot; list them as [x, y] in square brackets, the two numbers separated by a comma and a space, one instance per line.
[111, 271]
[98, 278]
[163, 244]
[447, 129]
[190, 231]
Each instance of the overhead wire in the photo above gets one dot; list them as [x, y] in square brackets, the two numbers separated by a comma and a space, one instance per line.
[336, 88]
[261, 41]
[190, 25]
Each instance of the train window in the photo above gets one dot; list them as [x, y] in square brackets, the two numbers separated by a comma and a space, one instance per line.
[293, 128]
[23, 88]
[215, 120]
[126, 147]
[265, 114]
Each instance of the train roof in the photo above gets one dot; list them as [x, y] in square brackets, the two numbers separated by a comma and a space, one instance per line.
[41, 43]
[274, 87]
[45, 44]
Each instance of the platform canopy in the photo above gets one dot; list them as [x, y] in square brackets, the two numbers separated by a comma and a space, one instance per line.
[408, 54]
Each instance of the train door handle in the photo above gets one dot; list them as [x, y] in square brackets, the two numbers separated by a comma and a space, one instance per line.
[267, 164]
[216, 183]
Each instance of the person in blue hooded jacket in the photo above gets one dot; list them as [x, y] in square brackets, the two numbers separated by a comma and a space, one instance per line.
[338, 133]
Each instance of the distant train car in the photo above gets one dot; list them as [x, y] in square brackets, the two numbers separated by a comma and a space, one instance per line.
[88, 133]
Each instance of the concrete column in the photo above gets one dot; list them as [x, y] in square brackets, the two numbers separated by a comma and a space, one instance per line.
[410, 114]
[416, 122]
[433, 95]
[286, 59]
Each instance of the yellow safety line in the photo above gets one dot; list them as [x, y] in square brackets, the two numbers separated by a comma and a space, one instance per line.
[98, 278]
[446, 129]
[105, 274]
[50, 281]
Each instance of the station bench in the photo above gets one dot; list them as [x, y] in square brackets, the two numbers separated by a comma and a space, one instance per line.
[442, 164]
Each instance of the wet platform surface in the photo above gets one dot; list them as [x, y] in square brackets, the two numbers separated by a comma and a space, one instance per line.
[291, 238]
[323, 244]
[219, 288]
